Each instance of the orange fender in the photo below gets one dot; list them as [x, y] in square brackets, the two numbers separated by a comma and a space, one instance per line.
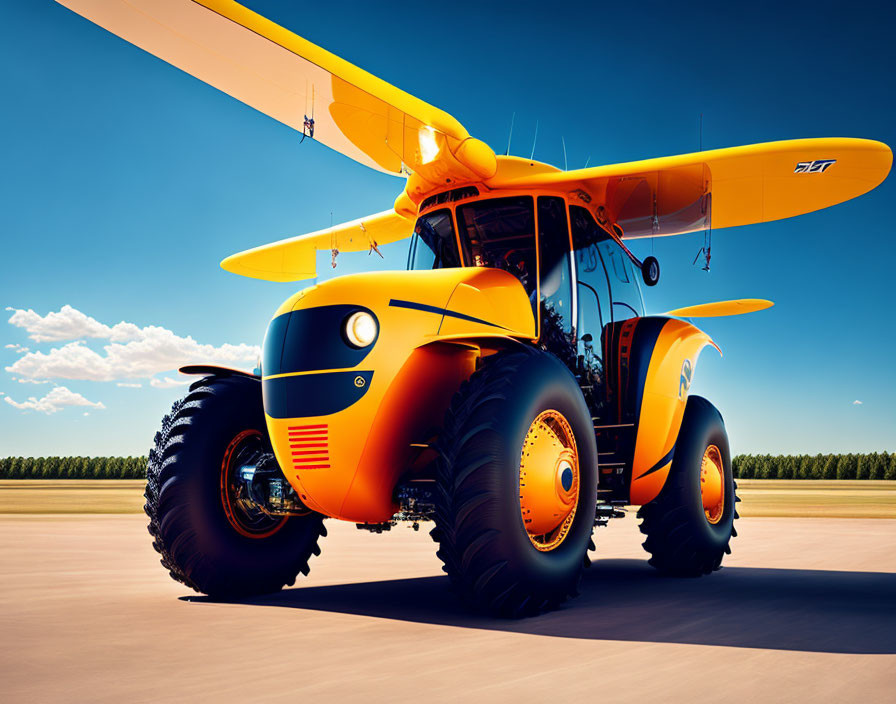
[661, 395]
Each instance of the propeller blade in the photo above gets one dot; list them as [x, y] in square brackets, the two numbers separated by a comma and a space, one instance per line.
[721, 308]
[295, 258]
[296, 82]
[723, 187]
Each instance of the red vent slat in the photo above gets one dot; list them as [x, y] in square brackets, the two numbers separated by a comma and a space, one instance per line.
[309, 446]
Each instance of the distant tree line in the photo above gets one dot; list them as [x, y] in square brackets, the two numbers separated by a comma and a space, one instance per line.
[876, 465]
[72, 467]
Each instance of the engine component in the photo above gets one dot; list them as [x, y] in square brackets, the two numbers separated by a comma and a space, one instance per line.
[266, 489]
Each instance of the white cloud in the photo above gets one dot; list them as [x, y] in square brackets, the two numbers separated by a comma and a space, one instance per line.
[32, 381]
[69, 324]
[17, 348]
[133, 352]
[86, 413]
[168, 383]
[128, 385]
[58, 398]
[857, 403]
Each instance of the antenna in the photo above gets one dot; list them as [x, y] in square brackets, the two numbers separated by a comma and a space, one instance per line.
[700, 133]
[587, 161]
[565, 165]
[510, 136]
[534, 139]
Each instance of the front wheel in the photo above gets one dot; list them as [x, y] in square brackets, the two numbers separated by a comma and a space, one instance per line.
[516, 485]
[209, 537]
[690, 524]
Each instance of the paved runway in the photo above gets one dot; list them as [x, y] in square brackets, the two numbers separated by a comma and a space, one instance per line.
[805, 610]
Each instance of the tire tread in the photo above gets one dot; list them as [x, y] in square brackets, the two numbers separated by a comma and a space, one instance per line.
[168, 511]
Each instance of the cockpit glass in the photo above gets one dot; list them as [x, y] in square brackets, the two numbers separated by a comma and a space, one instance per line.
[626, 293]
[604, 269]
[500, 233]
[434, 245]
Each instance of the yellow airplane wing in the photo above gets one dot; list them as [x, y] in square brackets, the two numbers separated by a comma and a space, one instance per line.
[295, 259]
[302, 85]
[725, 187]
[721, 308]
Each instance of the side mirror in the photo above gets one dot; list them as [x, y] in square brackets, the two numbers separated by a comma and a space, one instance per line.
[650, 271]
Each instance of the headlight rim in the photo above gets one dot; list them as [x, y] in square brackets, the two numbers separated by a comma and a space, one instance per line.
[349, 329]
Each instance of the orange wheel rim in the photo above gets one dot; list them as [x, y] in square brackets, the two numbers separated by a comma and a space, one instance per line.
[251, 526]
[549, 480]
[712, 484]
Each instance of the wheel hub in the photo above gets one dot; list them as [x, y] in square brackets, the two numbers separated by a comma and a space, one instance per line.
[242, 514]
[712, 484]
[549, 480]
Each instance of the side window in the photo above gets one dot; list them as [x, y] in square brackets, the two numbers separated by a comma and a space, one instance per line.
[593, 285]
[433, 245]
[553, 242]
[624, 287]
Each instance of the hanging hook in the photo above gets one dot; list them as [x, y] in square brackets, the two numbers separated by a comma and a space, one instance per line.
[706, 249]
[334, 250]
[307, 128]
[372, 246]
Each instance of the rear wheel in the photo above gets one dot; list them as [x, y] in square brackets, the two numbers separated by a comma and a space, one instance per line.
[209, 536]
[516, 485]
[690, 524]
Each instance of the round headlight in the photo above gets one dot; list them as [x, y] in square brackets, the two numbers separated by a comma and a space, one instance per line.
[360, 329]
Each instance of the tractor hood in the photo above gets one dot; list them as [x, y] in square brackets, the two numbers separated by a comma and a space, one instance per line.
[435, 304]
[343, 410]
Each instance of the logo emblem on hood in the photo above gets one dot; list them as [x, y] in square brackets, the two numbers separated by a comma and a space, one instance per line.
[684, 382]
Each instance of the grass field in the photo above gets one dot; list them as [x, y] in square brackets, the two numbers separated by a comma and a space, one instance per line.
[821, 498]
[71, 495]
[761, 497]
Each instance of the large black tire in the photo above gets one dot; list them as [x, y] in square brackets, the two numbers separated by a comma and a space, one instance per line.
[482, 538]
[198, 544]
[681, 540]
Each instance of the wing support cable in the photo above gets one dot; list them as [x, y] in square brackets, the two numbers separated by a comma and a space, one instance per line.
[706, 249]
[334, 250]
[308, 123]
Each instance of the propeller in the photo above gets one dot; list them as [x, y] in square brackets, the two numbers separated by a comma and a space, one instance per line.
[282, 75]
[719, 309]
[329, 100]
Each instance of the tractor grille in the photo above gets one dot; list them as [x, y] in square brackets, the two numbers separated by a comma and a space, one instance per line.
[309, 446]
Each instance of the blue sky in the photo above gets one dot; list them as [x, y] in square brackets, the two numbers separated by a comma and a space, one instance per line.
[126, 181]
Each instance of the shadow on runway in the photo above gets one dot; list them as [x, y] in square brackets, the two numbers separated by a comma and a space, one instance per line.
[626, 600]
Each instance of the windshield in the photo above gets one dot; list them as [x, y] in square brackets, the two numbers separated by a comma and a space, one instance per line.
[434, 245]
[500, 233]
